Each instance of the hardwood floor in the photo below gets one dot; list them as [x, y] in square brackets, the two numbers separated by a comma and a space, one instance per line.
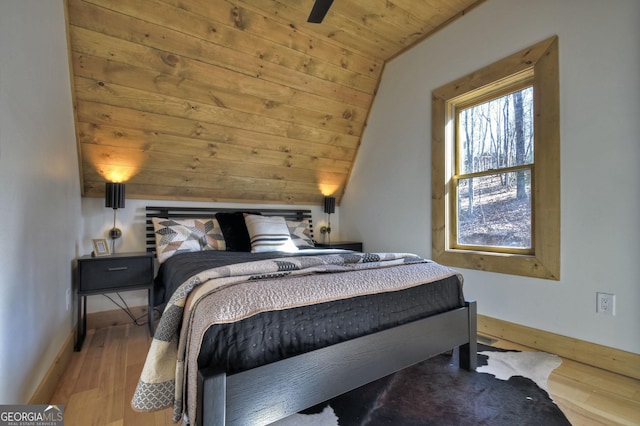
[591, 396]
[97, 387]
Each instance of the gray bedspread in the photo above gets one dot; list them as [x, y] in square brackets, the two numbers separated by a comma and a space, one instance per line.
[243, 290]
[180, 267]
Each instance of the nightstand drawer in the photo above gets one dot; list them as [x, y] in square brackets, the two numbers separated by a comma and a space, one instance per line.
[114, 273]
[346, 245]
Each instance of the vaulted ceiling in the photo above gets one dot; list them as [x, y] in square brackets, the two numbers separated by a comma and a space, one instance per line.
[233, 100]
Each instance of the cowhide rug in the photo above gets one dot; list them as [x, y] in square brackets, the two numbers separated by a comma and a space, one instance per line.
[508, 388]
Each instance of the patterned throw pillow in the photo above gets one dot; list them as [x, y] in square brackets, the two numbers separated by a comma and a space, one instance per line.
[185, 235]
[300, 233]
[269, 233]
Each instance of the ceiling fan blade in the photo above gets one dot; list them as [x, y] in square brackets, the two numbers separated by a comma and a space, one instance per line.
[320, 9]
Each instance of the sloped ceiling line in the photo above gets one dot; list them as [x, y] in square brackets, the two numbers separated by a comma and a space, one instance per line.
[224, 100]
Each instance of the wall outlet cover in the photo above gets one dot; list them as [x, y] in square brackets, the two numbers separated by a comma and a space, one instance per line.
[605, 303]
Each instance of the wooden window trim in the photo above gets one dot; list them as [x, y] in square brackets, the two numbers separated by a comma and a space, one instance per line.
[540, 59]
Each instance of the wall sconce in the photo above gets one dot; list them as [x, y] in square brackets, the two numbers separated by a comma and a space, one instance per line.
[114, 198]
[329, 208]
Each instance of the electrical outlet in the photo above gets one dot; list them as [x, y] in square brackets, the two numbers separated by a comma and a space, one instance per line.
[606, 303]
[68, 297]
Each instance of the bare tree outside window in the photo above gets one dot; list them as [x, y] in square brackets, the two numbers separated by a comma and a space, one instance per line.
[494, 160]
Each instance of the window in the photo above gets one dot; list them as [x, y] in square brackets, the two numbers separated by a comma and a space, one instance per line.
[496, 166]
[491, 205]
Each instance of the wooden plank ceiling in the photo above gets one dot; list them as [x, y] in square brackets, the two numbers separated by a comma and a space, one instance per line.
[232, 100]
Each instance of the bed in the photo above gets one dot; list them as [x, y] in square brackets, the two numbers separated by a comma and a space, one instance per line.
[247, 383]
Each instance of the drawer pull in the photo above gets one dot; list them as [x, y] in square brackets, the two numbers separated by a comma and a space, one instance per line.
[119, 268]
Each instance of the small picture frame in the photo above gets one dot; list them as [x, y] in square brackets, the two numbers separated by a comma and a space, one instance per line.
[100, 247]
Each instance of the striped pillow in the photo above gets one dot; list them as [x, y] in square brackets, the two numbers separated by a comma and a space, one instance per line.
[269, 233]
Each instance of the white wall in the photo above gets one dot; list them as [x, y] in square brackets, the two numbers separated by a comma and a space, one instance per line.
[387, 203]
[39, 193]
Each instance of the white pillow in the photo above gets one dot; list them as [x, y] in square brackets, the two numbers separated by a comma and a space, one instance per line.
[269, 233]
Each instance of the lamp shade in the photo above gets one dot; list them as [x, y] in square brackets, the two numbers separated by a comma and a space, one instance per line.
[329, 204]
[114, 195]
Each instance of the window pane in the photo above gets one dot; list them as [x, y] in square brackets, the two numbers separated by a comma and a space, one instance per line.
[496, 134]
[495, 210]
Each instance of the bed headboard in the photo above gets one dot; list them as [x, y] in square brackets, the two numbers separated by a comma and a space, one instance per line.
[210, 212]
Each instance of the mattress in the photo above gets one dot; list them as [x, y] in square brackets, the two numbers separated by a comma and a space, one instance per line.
[271, 336]
[275, 335]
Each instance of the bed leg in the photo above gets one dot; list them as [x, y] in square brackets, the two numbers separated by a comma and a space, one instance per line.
[212, 409]
[469, 351]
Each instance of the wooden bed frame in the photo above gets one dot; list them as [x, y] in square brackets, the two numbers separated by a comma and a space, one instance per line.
[271, 392]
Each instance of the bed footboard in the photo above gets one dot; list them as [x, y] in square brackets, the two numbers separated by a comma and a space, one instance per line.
[265, 394]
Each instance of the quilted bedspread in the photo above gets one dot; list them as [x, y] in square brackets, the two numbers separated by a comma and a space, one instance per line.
[250, 291]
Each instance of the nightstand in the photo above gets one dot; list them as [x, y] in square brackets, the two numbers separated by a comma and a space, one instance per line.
[346, 245]
[111, 274]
